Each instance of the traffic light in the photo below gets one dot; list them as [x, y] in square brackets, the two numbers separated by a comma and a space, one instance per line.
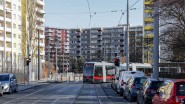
[28, 60]
[116, 62]
[115, 54]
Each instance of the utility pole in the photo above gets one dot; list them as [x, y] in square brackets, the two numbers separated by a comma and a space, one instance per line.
[49, 58]
[38, 54]
[156, 41]
[127, 38]
[56, 58]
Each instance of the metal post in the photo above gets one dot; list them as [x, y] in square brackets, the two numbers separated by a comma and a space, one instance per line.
[156, 42]
[38, 54]
[28, 56]
[127, 38]
[63, 60]
[56, 62]
[49, 59]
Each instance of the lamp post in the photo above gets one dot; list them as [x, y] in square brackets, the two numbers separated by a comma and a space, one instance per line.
[127, 38]
[38, 54]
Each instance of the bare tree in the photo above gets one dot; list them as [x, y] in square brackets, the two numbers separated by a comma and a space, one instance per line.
[172, 24]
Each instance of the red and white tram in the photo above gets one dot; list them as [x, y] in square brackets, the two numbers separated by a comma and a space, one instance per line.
[98, 72]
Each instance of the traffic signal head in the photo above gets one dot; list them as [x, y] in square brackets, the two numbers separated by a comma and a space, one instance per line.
[116, 62]
[115, 54]
[28, 60]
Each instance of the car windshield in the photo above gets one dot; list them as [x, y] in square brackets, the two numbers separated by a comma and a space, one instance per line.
[139, 80]
[4, 77]
[155, 84]
[180, 91]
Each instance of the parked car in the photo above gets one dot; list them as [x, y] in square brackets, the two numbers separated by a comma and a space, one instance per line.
[132, 86]
[1, 89]
[123, 78]
[170, 92]
[9, 82]
[147, 91]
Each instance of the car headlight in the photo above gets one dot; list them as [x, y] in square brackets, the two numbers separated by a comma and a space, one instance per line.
[6, 85]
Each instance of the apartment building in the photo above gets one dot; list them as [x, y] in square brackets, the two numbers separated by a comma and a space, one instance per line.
[57, 47]
[10, 34]
[101, 43]
[32, 33]
[148, 30]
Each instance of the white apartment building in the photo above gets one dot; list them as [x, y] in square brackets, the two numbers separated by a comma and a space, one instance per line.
[10, 34]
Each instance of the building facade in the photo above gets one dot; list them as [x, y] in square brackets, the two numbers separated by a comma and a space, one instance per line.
[57, 47]
[10, 34]
[101, 43]
[148, 30]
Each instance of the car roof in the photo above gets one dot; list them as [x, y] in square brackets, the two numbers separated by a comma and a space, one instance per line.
[6, 74]
[175, 80]
[152, 79]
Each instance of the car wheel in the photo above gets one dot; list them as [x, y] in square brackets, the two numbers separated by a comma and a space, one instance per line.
[124, 94]
[16, 89]
[10, 90]
[137, 100]
[130, 97]
[1, 94]
[121, 92]
[143, 101]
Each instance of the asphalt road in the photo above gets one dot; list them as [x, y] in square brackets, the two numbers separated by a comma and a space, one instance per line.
[65, 93]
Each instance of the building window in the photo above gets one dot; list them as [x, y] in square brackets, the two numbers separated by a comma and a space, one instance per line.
[14, 25]
[14, 16]
[14, 6]
[19, 7]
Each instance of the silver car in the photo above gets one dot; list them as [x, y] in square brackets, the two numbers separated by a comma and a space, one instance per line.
[9, 82]
[1, 89]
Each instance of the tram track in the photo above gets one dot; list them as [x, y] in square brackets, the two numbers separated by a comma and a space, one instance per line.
[84, 89]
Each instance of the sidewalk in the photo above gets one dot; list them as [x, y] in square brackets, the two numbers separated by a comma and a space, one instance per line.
[31, 84]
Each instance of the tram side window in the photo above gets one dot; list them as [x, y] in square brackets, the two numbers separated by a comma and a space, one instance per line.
[98, 71]
[110, 71]
[88, 71]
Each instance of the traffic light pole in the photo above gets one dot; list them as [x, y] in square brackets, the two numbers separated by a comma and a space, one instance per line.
[38, 54]
[127, 38]
[156, 42]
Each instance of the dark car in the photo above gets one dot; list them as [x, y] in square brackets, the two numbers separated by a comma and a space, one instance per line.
[132, 86]
[148, 90]
[9, 82]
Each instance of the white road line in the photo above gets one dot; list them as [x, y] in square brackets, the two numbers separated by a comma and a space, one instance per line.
[23, 96]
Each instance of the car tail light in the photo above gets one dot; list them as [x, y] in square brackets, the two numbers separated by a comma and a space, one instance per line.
[122, 82]
[133, 86]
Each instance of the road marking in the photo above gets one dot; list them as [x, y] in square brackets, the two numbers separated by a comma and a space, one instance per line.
[23, 96]
[55, 101]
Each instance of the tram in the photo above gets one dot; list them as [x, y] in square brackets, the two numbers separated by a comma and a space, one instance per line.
[98, 72]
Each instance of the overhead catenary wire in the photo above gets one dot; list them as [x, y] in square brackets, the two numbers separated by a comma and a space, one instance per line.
[126, 10]
[89, 13]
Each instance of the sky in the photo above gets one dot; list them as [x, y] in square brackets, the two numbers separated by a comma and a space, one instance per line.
[104, 13]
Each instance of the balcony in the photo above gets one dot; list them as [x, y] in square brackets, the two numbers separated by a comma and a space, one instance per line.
[151, 2]
[149, 20]
[1, 48]
[8, 39]
[149, 11]
[40, 19]
[1, 18]
[40, 10]
[8, 29]
[41, 2]
[42, 36]
[148, 28]
[1, 28]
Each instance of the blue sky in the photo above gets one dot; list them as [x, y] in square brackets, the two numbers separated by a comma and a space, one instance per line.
[105, 13]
